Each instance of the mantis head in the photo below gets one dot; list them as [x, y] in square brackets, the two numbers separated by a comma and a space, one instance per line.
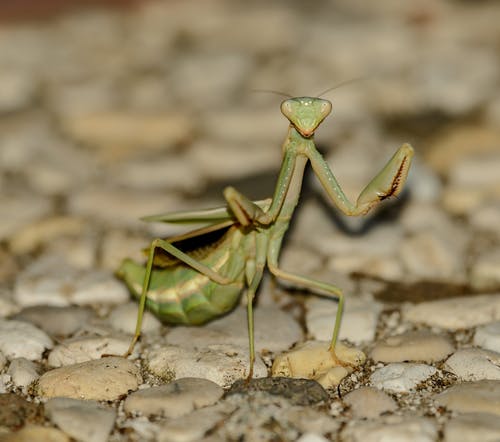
[306, 113]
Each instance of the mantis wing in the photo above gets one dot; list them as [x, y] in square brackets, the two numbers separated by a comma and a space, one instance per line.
[211, 216]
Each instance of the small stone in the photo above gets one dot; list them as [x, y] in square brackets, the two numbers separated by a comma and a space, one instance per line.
[22, 372]
[455, 313]
[15, 411]
[274, 330]
[73, 417]
[115, 131]
[472, 397]
[412, 346]
[38, 433]
[57, 321]
[17, 89]
[20, 339]
[474, 364]
[312, 437]
[472, 427]
[392, 428]
[175, 399]
[19, 211]
[359, 320]
[120, 208]
[222, 364]
[123, 318]
[193, 426]
[429, 255]
[86, 348]
[33, 236]
[485, 271]
[488, 336]
[401, 377]
[313, 360]
[50, 281]
[295, 391]
[104, 379]
[369, 403]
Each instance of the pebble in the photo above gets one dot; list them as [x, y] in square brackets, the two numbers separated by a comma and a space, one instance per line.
[86, 348]
[472, 427]
[274, 330]
[50, 281]
[19, 211]
[193, 426]
[18, 89]
[57, 321]
[73, 417]
[432, 256]
[474, 364]
[455, 313]
[20, 339]
[222, 363]
[488, 336]
[392, 428]
[237, 162]
[248, 421]
[104, 380]
[175, 399]
[120, 208]
[485, 271]
[313, 360]
[312, 437]
[369, 403]
[22, 372]
[487, 218]
[401, 377]
[38, 433]
[123, 318]
[412, 346]
[118, 131]
[359, 320]
[472, 397]
[36, 235]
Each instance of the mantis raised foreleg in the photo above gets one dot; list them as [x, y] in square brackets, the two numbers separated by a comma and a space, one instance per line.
[254, 234]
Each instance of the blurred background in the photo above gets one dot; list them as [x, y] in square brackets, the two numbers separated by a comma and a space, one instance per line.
[111, 110]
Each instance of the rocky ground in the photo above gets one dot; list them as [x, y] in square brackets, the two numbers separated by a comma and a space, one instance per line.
[111, 114]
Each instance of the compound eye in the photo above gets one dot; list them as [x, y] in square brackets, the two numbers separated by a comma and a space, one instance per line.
[326, 106]
[286, 107]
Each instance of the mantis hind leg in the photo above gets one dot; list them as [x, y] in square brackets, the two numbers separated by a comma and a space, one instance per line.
[180, 255]
[329, 289]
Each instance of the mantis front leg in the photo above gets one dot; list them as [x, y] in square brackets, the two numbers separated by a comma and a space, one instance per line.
[388, 182]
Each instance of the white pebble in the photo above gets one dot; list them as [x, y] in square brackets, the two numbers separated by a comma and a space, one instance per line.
[174, 399]
[222, 364]
[22, 372]
[86, 348]
[455, 313]
[124, 318]
[488, 336]
[474, 364]
[359, 321]
[20, 339]
[104, 380]
[86, 421]
[401, 377]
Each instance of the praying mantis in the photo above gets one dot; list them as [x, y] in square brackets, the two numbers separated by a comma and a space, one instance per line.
[198, 276]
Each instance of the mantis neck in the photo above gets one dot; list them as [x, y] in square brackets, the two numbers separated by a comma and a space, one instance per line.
[295, 145]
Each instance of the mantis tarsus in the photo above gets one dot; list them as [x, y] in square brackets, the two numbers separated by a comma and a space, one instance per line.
[197, 285]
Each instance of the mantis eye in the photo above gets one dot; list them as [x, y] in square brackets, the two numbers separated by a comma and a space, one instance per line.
[286, 108]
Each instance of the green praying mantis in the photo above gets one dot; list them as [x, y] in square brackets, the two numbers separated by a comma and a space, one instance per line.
[198, 276]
